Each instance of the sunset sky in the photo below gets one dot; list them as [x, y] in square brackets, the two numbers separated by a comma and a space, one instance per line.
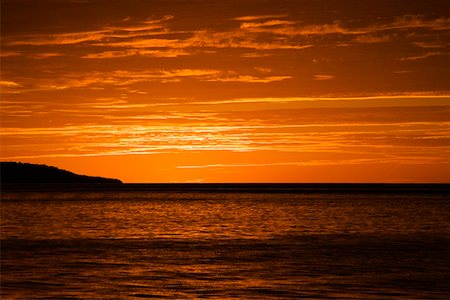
[229, 91]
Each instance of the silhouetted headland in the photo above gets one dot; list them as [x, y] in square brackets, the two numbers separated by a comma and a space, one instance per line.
[16, 174]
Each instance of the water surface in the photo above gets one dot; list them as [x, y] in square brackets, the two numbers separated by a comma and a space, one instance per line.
[225, 243]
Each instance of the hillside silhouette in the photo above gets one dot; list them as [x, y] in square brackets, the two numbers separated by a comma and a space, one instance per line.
[16, 172]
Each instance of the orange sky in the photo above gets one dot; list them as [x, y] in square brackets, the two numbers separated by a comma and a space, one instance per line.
[228, 91]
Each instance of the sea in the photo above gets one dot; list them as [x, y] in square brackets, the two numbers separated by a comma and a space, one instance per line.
[226, 241]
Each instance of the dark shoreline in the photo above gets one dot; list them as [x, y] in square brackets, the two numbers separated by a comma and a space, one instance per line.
[281, 188]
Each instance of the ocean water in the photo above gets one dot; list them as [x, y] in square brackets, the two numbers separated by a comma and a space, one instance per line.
[226, 242]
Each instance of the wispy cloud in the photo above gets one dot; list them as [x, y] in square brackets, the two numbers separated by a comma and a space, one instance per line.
[292, 28]
[372, 39]
[100, 140]
[324, 77]
[145, 28]
[6, 83]
[46, 55]
[266, 24]
[444, 99]
[58, 39]
[427, 45]
[416, 21]
[298, 163]
[208, 39]
[424, 56]
[255, 54]
[258, 17]
[121, 78]
[127, 53]
[156, 38]
[249, 78]
[322, 136]
[148, 39]
[9, 53]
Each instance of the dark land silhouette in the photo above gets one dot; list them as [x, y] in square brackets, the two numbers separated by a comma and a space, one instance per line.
[25, 173]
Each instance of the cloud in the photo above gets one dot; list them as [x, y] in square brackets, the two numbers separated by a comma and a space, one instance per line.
[34, 55]
[325, 29]
[100, 79]
[208, 39]
[427, 45]
[365, 33]
[371, 39]
[424, 56]
[249, 78]
[263, 70]
[324, 77]
[155, 38]
[240, 39]
[58, 39]
[146, 28]
[258, 17]
[402, 72]
[122, 78]
[294, 164]
[268, 23]
[141, 26]
[255, 55]
[45, 55]
[138, 38]
[136, 52]
[288, 29]
[120, 127]
[387, 99]
[9, 53]
[417, 21]
[146, 38]
[7, 83]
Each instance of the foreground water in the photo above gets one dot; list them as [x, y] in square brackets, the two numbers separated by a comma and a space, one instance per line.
[225, 244]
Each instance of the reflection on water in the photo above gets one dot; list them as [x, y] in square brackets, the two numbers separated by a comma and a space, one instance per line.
[224, 245]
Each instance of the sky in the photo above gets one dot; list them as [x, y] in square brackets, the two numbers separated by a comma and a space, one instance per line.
[228, 91]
